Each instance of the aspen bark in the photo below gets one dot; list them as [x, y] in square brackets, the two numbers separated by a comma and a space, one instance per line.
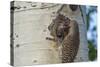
[30, 29]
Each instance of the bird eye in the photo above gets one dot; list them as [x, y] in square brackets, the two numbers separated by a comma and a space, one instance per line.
[60, 33]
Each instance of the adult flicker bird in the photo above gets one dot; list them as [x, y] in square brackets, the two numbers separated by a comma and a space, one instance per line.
[66, 35]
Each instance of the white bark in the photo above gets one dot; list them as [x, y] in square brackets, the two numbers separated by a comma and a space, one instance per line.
[31, 29]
